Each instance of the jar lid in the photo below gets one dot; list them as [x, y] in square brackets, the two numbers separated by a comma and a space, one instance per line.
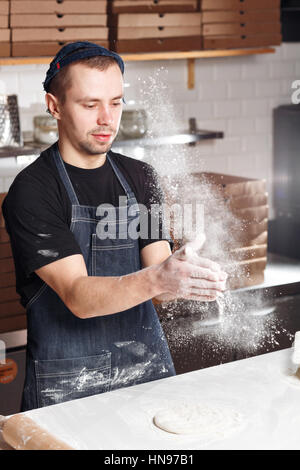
[44, 121]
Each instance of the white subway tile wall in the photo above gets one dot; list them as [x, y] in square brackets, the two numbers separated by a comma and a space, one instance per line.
[235, 95]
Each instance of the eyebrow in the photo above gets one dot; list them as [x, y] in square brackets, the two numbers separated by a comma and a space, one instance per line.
[90, 98]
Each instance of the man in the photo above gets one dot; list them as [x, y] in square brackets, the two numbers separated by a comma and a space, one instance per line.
[92, 326]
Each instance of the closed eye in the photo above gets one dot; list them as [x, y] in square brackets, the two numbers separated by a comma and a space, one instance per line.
[117, 102]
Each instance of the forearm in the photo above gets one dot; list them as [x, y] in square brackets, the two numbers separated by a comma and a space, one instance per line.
[92, 296]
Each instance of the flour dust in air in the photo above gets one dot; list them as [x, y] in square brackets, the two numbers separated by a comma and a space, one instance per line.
[241, 321]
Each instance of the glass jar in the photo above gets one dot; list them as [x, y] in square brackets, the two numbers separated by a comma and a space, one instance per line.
[133, 123]
[45, 129]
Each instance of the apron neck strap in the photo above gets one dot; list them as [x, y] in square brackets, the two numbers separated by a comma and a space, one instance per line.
[64, 175]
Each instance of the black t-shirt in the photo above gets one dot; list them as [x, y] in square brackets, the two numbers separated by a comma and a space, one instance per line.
[37, 209]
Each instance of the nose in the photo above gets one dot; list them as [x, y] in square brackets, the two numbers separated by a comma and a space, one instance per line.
[104, 117]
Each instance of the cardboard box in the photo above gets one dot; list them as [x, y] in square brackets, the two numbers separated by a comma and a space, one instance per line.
[54, 7]
[242, 202]
[248, 267]
[4, 7]
[48, 20]
[246, 281]
[232, 186]
[238, 5]
[8, 293]
[245, 248]
[157, 45]
[156, 32]
[260, 239]
[3, 21]
[7, 279]
[58, 34]
[252, 214]
[11, 308]
[2, 197]
[233, 196]
[240, 42]
[42, 49]
[248, 28]
[5, 250]
[247, 273]
[240, 15]
[136, 20]
[153, 6]
[254, 235]
[17, 322]
[3, 233]
[5, 49]
[252, 230]
[6, 265]
[249, 252]
[4, 35]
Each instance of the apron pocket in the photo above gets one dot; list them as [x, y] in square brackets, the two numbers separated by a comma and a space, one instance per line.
[113, 257]
[60, 380]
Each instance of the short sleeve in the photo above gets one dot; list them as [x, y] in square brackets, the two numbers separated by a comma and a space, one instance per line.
[36, 224]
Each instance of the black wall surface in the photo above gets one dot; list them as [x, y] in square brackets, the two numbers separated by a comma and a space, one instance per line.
[284, 231]
[290, 20]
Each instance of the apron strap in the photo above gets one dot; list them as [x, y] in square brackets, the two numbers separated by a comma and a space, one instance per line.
[121, 178]
[64, 175]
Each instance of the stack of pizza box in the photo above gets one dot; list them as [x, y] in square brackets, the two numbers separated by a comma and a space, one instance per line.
[230, 24]
[4, 29]
[41, 28]
[12, 313]
[247, 200]
[155, 25]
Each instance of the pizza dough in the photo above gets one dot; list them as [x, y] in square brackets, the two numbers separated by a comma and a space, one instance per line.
[198, 420]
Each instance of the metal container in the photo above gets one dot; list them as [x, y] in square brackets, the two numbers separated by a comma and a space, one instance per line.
[133, 124]
[10, 132]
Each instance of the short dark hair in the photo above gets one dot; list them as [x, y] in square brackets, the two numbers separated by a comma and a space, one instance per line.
[62, 80]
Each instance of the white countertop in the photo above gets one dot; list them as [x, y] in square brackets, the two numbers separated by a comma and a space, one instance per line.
[281, 270]
[257, 388]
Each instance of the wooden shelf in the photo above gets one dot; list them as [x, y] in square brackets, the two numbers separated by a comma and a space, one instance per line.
[195, 54]
[190, 56]
[151, 56]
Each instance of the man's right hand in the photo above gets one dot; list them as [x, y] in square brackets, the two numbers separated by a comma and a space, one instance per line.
[187, 275]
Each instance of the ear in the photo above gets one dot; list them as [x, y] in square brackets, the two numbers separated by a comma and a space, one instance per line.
[52, 104]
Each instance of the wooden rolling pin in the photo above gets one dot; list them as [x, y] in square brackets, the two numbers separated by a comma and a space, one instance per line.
[22, 433]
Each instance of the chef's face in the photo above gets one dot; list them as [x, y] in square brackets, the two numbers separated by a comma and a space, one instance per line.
[91, 112]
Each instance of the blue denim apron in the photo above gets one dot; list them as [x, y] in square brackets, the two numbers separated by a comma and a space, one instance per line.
[69, 357]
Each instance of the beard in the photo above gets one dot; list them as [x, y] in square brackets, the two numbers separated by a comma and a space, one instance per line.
[95, 148]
